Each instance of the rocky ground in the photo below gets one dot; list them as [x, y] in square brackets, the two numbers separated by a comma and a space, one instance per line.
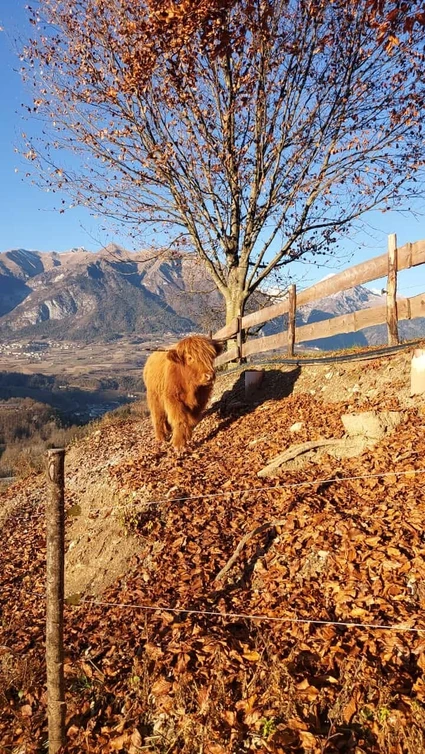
[215, 610]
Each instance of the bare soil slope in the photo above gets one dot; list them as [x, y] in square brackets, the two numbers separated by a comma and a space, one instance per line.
[320, 645]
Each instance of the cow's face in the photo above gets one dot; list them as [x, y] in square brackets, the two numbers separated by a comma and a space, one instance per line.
[203, 371]
[197, 356]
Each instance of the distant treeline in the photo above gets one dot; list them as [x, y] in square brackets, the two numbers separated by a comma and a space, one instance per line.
[124, 383]
[38, 411]
[20, 419]
[27, 429]
[72, 398]
[18, 379]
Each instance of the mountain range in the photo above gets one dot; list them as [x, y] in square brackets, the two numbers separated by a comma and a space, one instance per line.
[81, 295]
[86, 296]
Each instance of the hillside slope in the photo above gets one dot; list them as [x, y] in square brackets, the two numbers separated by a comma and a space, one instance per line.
[294, 664]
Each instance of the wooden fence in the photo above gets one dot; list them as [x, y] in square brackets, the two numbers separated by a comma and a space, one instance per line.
[386, 265]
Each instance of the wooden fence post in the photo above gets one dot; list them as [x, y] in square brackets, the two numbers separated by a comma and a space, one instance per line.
[55, 556]
[392, 325]
[291, 318]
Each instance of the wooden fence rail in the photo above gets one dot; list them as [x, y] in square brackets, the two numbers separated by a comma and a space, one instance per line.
[385, 265]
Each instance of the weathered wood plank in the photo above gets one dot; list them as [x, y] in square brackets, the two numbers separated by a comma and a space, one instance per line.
[360, 273]
[239, 338]
[227, 356]
[376, 315]
[265, 315]
[259, 345]
[228, 331]
[416, 307]
[409, 255]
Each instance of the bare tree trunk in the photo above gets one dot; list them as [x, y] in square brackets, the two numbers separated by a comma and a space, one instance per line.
[233, 310]
[291, 319]
[235, 302]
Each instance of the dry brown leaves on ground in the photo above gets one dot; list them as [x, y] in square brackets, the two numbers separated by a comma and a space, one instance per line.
[172, 680]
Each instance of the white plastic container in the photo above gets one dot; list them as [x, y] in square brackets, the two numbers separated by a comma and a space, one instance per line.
[417, 375]
[253, 380]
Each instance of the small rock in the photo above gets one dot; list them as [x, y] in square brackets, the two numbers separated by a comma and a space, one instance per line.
[296, 427]
[328, 375]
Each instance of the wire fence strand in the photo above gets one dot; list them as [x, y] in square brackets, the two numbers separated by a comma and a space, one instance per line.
[252, 616]
[409, 473]
[289, 485]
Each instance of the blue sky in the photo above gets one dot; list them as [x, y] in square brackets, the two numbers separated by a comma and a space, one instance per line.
[27, 214]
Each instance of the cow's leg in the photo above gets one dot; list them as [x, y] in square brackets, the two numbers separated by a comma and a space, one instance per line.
[181, 436]
[160, 423]
[182, 423]
[161, 426]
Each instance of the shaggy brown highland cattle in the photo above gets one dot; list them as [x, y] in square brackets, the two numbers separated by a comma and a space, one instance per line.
[178, 384]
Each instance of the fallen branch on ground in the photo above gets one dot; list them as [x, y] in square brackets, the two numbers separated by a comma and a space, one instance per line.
[244, 540]
[293, 452]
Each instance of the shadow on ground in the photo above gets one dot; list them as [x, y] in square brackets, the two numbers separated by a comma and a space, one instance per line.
[276, 385]
[234, 403]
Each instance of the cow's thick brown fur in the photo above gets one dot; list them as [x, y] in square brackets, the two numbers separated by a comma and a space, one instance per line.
[178, 384]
